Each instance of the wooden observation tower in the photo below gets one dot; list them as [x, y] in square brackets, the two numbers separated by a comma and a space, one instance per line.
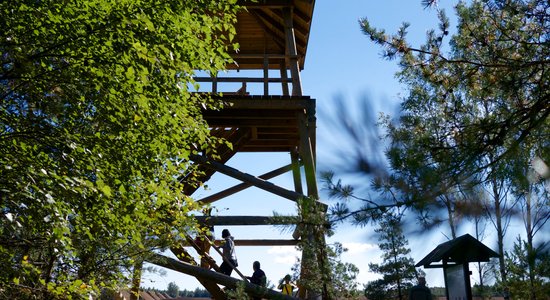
[266, 113]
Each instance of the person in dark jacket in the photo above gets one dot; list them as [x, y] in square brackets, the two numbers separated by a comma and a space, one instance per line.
[258, 277]
[420, 291]
[229, 256]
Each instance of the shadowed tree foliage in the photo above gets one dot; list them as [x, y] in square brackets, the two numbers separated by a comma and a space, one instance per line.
[96, 124]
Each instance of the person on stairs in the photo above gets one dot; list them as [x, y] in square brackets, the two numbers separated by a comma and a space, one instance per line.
[229, 256]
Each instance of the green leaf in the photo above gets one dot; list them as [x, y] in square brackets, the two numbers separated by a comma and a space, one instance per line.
[130, 73]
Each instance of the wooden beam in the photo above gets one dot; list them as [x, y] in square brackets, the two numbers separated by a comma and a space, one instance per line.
[255, 181]
[251, 242]
[302, 32]
[219, 278]
[239, 79]
[246, 220]
[266, 242]
[239, 187]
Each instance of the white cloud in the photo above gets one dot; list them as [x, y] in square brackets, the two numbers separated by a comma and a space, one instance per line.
[285, 260]
[282, 250]
[283, 255]
[359, 248]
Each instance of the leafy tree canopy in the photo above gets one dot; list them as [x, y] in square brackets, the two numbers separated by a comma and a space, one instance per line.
[96, 125]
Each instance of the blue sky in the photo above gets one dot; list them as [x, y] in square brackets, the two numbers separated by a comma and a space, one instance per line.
[341, 63]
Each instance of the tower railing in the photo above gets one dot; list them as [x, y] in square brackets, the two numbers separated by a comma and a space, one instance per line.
[266, 79]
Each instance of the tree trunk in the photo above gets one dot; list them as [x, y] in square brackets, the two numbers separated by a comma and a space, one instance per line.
[479, 234]
[449, 204]
[500, 236]
[530, 247]
[136, 280]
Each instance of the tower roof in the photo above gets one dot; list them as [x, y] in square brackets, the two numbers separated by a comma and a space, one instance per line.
[261, 31]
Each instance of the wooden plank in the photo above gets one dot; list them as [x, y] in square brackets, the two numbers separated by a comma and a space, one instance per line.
[259, 149]
[245, 220]
[259, 56]
[219, 278]
[240, 187]
[239, 79]
[273, 123]
[291, 103]
[277, 136]
[251, 114]
[265, 3]
[273, 143]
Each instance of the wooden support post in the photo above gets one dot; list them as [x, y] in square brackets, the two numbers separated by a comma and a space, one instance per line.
[215, 84]
[306, 152]
[314, 255]
[266, 76]
[296, 175]
[312, 128]
[292, 52]
[284, 79]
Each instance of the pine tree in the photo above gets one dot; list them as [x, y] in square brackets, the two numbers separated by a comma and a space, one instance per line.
[397, 267]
